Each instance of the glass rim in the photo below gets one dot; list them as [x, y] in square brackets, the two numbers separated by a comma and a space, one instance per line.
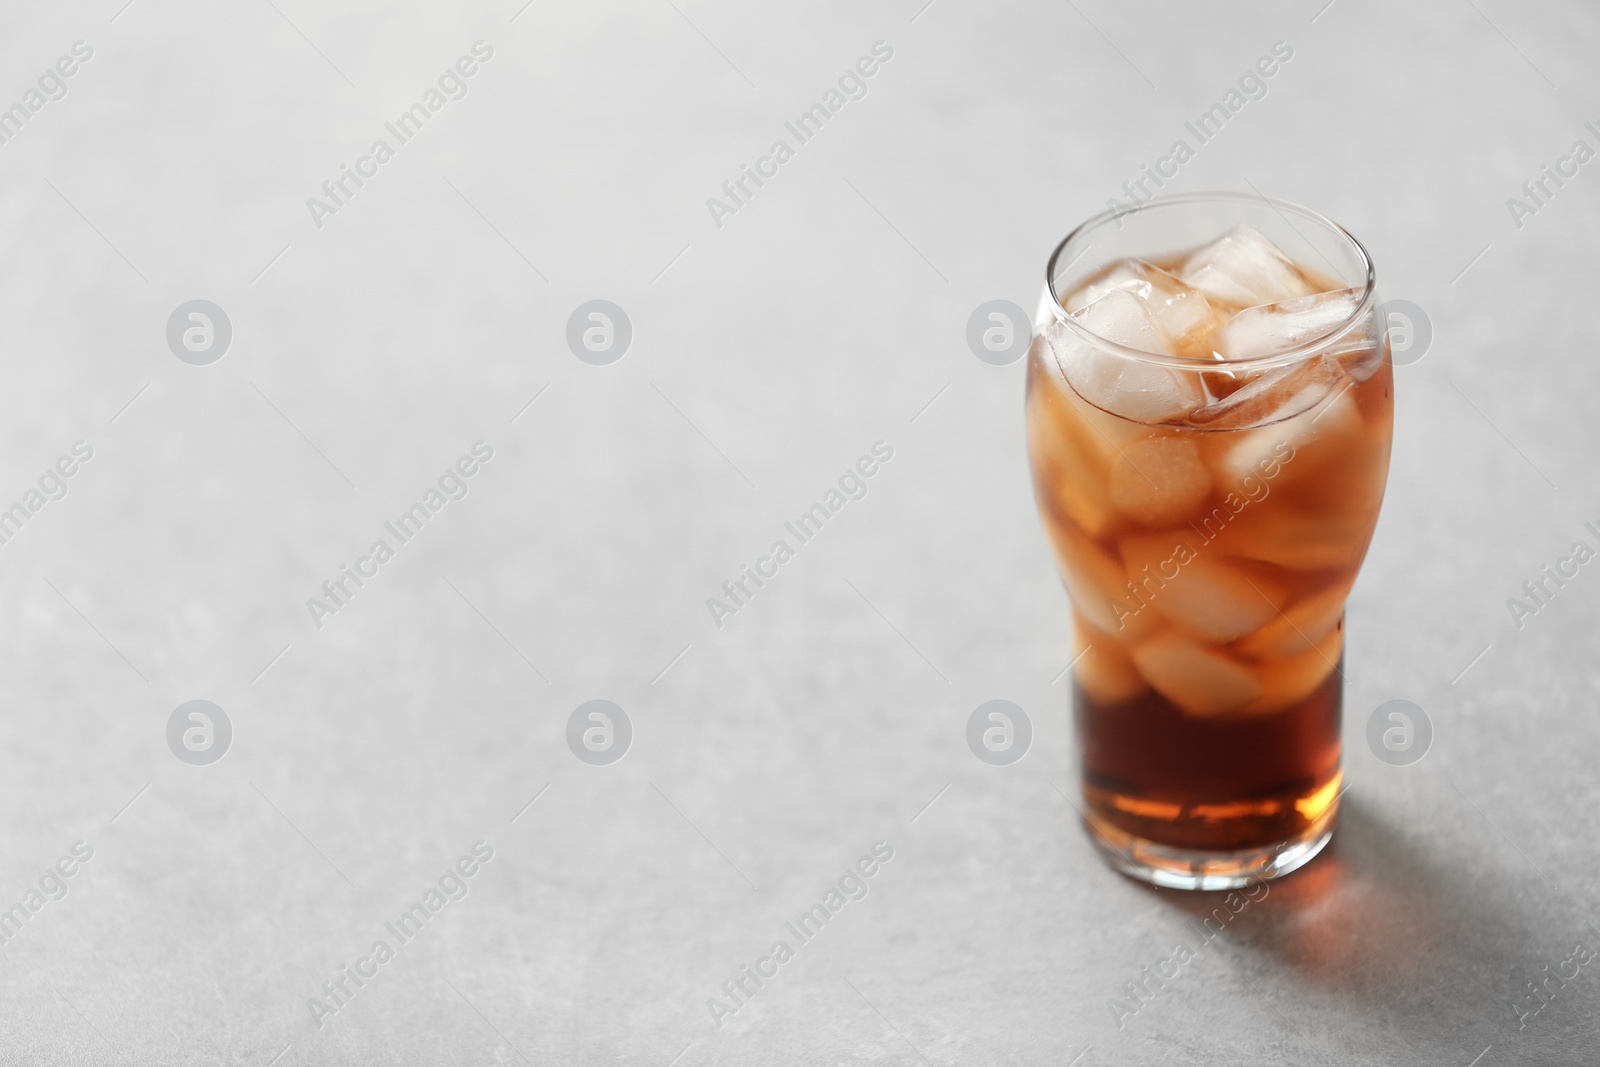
[1282, 356]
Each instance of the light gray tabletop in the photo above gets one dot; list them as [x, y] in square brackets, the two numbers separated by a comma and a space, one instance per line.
[374, 736]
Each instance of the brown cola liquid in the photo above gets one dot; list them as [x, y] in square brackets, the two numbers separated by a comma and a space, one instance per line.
[1209, 784]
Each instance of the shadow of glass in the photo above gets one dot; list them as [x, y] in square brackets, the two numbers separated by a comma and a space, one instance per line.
[1376, 925]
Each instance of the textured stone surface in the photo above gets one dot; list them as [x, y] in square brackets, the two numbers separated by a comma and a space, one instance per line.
[827, 314]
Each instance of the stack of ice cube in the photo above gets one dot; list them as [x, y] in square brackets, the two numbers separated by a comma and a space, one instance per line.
[1238, 298]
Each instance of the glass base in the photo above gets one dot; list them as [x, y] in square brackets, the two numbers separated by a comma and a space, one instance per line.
[1177, 868]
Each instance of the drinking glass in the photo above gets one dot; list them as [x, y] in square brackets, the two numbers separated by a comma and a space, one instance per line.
[1209, 513]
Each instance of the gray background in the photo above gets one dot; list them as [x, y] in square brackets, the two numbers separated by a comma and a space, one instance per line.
[768, 354]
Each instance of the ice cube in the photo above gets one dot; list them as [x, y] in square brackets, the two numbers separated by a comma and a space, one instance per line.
[1124, 274]
[1299, 626]
[1156, 481]
[1102, 666]
[1107, 434]
[1269, 397]
[1261, 331]
[1274, 396]
[1123, 385]
[1098, 586]
[1282, 534]
[1122, 317]
[1243, 268]
[1352, 480]
[1080, 500]
[1319, 427]
[1070, 462]
[1286, 682]
[1200, 680]
[1182, 313]
[1362, 348]
[1068, 489]
[1189, 582]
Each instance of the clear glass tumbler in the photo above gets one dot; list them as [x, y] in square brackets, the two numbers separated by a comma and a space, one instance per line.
[1209, 410]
